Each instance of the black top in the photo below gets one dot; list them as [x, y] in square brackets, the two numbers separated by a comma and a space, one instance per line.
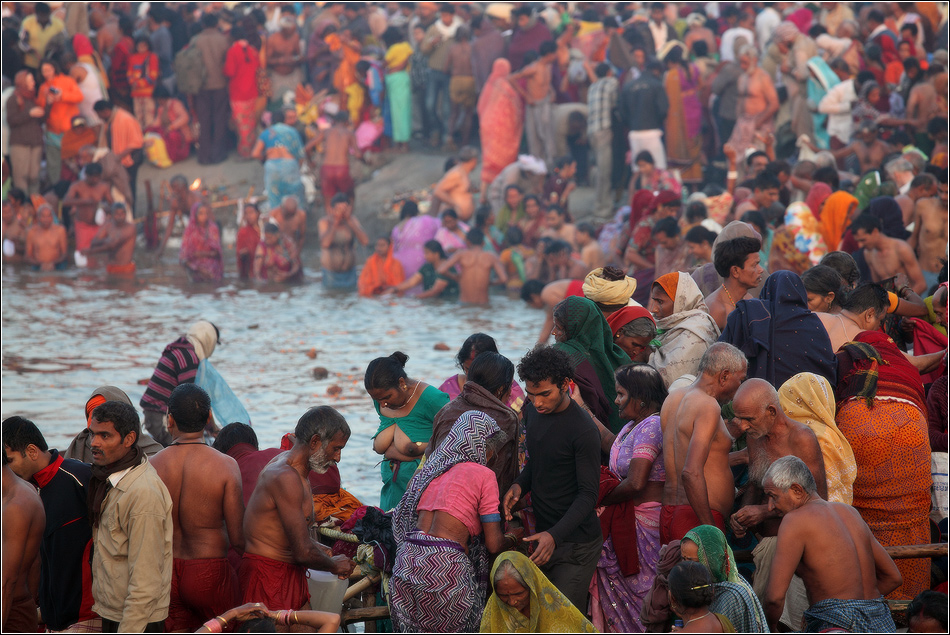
[562, 472]
[643, 103]
[65, 582]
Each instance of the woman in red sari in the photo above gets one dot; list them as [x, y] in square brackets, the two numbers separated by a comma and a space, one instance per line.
[172, 123]
[685, 116]
[276, 259]
[200, 251]
[248, 238]
[241, 67]
[501, 118]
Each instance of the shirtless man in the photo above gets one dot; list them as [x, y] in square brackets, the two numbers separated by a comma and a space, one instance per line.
[284, 57]
[116, 238]
[24, 521]
[538, 94]
[886, 257]
[558, 227]
[278, 547]
[338, 231]
[454, 190]
[339, 142]
[844, 568]
[46, 243]
[757, 102]
[14, 234]
[84, 197]
[475, 265]
[292, 221]
[180, 201]
[585, 237]
[737, 261]
[771, 435]
[922, 103]
[867, 146]
[929, 240]
[546, 296]
[699, 487]
[207, 513]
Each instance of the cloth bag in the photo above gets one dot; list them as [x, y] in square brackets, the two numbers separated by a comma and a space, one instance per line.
[225, 404]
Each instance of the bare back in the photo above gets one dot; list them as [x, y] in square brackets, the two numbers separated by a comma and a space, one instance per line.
[278, 485]
[475, 266]
[207, 499]
[932, 236]
[885, 261]
[339, 141]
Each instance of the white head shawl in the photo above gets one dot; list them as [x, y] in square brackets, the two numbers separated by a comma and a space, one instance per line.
[203, 336]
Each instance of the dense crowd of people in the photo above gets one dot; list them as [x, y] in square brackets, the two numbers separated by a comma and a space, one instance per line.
[749, 354]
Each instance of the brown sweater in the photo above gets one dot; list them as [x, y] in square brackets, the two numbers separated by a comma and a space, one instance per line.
[24, 129]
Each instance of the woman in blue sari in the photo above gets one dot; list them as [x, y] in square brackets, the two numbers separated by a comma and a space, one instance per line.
[281, 148]
[820, 81]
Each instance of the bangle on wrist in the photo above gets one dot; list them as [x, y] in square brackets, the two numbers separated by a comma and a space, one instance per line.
[213, 626]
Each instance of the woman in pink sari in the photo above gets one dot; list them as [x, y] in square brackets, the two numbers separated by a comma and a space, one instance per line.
[200, 251]
[410, 235]
[172, 123]
[501, 119]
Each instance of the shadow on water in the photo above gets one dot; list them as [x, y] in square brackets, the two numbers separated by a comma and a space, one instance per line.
[66, 333]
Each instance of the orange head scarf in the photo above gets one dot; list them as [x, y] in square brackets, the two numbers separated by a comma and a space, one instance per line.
[669, 283]
[834, 217]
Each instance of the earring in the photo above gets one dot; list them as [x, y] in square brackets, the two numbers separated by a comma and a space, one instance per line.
[643, 403]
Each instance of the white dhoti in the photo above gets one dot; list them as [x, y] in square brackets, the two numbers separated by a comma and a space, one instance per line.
[651, 140]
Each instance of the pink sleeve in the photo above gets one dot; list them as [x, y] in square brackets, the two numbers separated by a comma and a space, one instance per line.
[488, 502]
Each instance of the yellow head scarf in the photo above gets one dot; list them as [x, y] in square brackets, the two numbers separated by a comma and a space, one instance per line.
[550, 610]
[610, 292]
[808, 398]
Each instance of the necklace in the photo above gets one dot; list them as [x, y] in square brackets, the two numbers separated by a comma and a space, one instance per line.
[187, 443]
[699, 618]
[411, 395]
[729, 295]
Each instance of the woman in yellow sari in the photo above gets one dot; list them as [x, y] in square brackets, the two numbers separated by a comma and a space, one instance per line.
[398, 89]
[523, 600]
[685, 116]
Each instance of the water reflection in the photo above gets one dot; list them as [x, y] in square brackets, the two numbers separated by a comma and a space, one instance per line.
[66, 333]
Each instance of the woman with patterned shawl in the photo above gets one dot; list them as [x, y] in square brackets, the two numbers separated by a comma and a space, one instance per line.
[683, 331]
[200, 251]
[582, 332]
[684, 119]
[499, 110]
[882, 412]
[535, 606]
[630, 496]
[734, 597]
[810, 399]
[779, 334]
[439, 578]
[798, 245]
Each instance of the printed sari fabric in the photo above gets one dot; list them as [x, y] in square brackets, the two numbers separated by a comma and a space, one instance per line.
[436, 586]
[279, 258]
[684, 122]
[882, 413]
[282, 176]
[617, 595]
[409, 238]
[799, 241]
[196, 240]
[499, 110]
[550, 610]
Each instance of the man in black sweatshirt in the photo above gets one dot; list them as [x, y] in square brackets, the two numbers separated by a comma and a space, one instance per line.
[562, 474]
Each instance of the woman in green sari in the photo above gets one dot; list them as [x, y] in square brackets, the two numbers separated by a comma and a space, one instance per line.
[582, 332]
[406, 409]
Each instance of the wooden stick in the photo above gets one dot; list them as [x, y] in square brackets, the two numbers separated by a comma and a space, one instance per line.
[899, 552]
[358, 588]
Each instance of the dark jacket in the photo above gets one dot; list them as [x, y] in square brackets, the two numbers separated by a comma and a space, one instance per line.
[643, 103]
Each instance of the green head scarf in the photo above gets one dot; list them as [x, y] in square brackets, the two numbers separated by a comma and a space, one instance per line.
[715, 553]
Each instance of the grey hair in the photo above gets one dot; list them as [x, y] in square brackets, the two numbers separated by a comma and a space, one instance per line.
[899, 164]
[722, 356]
[825, 159]
[323, 422]
[640, 327]
[788, 471]
[508, 570]
[748, 50]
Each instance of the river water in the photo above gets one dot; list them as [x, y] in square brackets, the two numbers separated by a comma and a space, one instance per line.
[66, 334]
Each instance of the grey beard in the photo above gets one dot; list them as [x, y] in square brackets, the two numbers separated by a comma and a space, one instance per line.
[319, 463]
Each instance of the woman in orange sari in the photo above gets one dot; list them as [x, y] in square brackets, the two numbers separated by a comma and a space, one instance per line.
[381, 270]
[836, 215]
[501, 117]
[685, 116]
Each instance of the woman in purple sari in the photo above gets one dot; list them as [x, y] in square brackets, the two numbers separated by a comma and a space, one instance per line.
[630, 515]
[200, 251]
[410, 235]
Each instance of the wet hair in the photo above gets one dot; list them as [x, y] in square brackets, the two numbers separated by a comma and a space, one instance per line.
[923, 180]
[533, 197]
[545, 363]
[757, 219]
[94, 169]
[338, 198]
[641, 381]
[234, 433]
[530, 288]
[844, 264]
[476, 343]
[645, 156]
[41, 7]
[435, 247]
[515, 187]
[733, 253]
[875, 15]
[829, 176]
[700, 48]
[699, 235]
[323, 422]
[514, 235]
[384, 373]
[547, 47]
[587, 228]
[691, 585]
[721, 356]
[492, 371]
[271, 228]
[362, 66]
[867, 222]
[930, 604]
[408, 210]
[19, 433]
[17, 195]
[822, 280]
[766, 181]
[788, 471]
[480, 219]
[560, 211]
[123, 417]
[936, 125]
[190, 406]
[866, 296]
[696, 211]
[475, 236]
[668, 226]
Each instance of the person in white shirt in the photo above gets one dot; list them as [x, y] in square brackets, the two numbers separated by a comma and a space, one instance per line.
[765, 23]
[742, 29]
[837, 105]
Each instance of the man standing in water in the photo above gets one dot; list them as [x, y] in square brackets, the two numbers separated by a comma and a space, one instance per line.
[207, 512]
[23, 524]
[699, 486]
[279, 549]
[292, 221]
[46, 242]
[116, 238]
[84, 197]
[338, 231]
[475, 265]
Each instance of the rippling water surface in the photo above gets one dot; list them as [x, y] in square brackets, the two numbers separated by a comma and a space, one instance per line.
[66, 334]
